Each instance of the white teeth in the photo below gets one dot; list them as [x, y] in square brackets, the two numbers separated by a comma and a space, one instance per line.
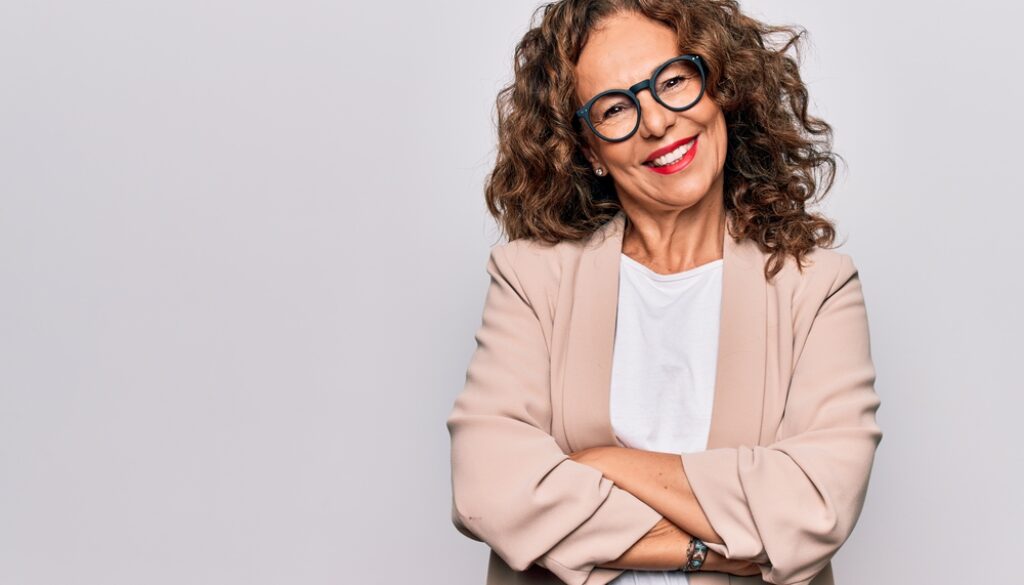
[673, 156]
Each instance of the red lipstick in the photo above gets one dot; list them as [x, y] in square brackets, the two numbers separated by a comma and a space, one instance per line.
[679, 165]
[668, 149]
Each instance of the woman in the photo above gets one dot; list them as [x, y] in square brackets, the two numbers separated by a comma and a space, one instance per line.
[672, 381]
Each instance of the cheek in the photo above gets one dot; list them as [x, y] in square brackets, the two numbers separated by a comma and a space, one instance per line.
[620, 155]
[711, 118]
[719, 131]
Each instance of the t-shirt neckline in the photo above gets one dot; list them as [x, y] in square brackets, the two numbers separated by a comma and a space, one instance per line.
[690, 273]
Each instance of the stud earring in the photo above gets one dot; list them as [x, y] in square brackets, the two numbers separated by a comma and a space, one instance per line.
[599, 171]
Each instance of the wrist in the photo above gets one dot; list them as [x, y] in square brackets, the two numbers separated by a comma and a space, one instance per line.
[696, 555]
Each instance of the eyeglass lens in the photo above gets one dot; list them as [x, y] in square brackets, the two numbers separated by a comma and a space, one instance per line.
[614, 115]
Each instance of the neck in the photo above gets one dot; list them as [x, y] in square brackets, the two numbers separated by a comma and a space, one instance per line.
[675, 240]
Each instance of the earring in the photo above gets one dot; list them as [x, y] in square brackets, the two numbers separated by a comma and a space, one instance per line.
[599, 171]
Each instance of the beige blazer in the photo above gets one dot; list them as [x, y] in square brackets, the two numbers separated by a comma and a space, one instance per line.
[793, 431]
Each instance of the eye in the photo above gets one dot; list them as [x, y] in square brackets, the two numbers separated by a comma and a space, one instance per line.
[612, 107]
[674, 82]
[614, 110]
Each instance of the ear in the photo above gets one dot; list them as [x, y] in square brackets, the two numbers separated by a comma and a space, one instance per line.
[588, 153]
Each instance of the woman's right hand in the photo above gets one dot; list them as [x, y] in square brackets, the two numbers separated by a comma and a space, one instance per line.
[716, 562]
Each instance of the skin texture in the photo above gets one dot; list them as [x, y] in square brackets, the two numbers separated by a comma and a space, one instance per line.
[658, 479]
[675, 222]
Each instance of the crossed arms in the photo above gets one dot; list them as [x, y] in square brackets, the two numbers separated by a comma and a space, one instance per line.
[787, 506]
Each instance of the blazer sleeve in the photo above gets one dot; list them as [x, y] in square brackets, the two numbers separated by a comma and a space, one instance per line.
[512, 485]
[790, 505]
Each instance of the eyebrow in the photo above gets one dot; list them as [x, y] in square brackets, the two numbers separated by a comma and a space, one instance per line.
[647, 76]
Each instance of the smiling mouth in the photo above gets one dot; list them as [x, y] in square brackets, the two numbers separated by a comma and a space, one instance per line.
[671, 157]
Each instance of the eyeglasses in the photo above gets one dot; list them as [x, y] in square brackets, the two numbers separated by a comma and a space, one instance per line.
[678, 84]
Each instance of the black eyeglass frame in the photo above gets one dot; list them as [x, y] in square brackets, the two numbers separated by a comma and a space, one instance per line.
[648, 84]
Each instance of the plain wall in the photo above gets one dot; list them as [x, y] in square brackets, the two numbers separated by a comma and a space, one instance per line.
[242, 250]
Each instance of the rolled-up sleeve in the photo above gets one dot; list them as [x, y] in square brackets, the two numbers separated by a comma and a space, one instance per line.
[512, 485]
[790, 505]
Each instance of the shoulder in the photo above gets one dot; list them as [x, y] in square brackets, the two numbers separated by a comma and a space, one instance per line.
[545, 263]
[532, 259]
[828, 282]
[533, 267]
[825, 271]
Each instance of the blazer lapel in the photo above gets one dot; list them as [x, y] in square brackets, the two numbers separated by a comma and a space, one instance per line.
[740, 371]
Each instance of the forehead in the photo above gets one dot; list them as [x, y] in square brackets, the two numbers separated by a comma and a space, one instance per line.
[622, 50]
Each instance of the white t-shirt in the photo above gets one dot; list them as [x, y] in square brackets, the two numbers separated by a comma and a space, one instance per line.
[663, 367]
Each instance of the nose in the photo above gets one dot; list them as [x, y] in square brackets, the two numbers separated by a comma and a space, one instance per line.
[655, 119]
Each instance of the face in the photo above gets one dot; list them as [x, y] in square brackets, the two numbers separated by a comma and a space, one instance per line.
[623, 50]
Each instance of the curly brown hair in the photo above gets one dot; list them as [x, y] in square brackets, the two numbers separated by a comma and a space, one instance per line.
[777, 154]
